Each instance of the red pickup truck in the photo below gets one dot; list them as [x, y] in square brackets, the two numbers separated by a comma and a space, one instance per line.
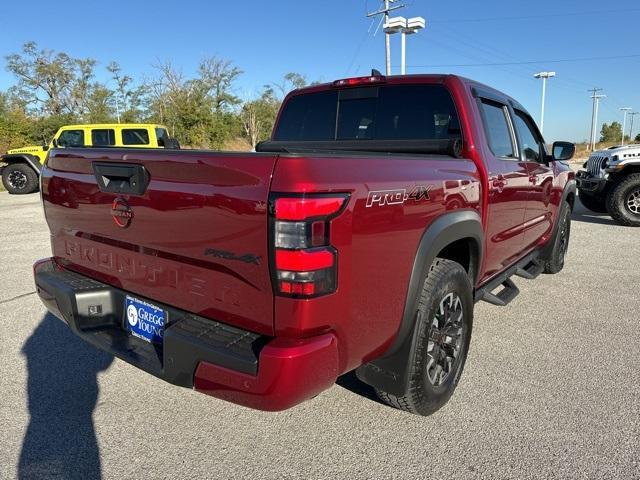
[359, 237]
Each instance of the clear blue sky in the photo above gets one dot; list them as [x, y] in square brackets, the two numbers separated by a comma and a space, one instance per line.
[330, 39]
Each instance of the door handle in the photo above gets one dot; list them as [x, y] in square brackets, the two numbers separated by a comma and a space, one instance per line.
[499, 182]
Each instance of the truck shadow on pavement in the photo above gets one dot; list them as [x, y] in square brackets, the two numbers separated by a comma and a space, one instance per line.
[351, 382]
[62, 392]
[581, 214]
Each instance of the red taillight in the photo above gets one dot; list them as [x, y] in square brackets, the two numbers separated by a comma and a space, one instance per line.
[304, 261]
[303, 208]
[355, 81]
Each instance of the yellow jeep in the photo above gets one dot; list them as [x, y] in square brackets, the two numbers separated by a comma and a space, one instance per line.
[20, 175]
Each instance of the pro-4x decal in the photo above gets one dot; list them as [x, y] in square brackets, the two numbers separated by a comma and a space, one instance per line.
[398, 196]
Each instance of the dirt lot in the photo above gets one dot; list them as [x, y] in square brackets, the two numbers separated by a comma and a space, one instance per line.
[551, 390]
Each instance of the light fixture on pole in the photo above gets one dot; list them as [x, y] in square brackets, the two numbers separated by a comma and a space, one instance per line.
[404, 27]
[391, 26]
[624, 121]
[413, 25]
[543, 76]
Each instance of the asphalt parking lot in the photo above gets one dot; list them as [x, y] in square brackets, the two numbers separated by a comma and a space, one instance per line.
[551, 390]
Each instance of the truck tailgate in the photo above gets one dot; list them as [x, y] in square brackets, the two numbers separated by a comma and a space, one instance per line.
[194, 238]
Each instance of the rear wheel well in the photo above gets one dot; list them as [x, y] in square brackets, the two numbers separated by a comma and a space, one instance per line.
[465, 252]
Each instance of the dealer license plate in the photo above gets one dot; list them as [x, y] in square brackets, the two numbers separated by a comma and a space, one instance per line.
[144, 320]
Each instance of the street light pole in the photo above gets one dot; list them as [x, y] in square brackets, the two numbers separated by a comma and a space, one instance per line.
[632, 114]
[624, 121]
[403, 52]
[594, 116]
[544, 76]
[387, 38]
[404, 27]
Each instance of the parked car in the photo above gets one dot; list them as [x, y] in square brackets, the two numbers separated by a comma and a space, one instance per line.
[22, 165]
[359, 237]
[610, 183]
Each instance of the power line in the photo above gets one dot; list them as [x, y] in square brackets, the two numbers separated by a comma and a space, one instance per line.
[384, 11]
[531, 17]
[527, 62]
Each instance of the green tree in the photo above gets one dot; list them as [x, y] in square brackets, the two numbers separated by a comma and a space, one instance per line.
[611, 133]
[259, 115]
[51, 83]
[637, 139]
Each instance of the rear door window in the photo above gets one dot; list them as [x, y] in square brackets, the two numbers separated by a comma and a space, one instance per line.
[103, 137]
[497, 129]
[392, 112]
[71, 138]
[135, 136]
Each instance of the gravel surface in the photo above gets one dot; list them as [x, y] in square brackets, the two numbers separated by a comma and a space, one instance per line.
[551, 390]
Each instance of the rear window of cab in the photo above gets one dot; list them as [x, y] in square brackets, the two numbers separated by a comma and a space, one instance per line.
[388, 112]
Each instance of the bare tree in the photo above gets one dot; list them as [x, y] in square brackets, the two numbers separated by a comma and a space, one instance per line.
[250, 122]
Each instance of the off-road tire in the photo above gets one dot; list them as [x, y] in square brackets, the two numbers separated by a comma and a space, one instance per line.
[19, 178]
[619, 197]
[594, 203]
[422, 396]
[560, 241]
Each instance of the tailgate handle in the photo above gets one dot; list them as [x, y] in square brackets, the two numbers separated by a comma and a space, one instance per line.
[121, 178]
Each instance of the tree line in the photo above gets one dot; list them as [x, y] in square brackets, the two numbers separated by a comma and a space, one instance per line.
[202, 111]
[612, 133]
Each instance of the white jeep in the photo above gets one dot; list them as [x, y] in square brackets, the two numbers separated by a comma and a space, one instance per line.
[610, 183]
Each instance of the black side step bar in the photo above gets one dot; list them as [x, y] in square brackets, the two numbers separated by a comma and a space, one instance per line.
[530, 267]
[503, 297]
[531, 271]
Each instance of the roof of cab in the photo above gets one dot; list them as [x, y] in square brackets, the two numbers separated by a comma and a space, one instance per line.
[114, 125]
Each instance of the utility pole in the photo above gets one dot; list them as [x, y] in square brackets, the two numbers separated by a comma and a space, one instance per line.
[594, 115]
[544, 76]
[387, 41]
[624, 121]
[632, 114]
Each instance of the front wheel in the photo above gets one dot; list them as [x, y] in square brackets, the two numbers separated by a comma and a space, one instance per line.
[443, 333]
[19, 178]
[623, 201]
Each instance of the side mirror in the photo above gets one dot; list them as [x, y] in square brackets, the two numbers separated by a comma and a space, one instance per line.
[563, 151]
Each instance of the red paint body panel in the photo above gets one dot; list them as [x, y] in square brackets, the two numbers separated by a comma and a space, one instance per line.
[204, 214]
[291, 371]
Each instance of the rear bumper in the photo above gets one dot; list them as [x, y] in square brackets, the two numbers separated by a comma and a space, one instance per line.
[589, 184]
[214, 358]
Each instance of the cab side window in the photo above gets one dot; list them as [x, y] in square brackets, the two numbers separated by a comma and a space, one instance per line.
[135, 136]
[497, 128]
[103, 137]
[531, 149]
[71, 138]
